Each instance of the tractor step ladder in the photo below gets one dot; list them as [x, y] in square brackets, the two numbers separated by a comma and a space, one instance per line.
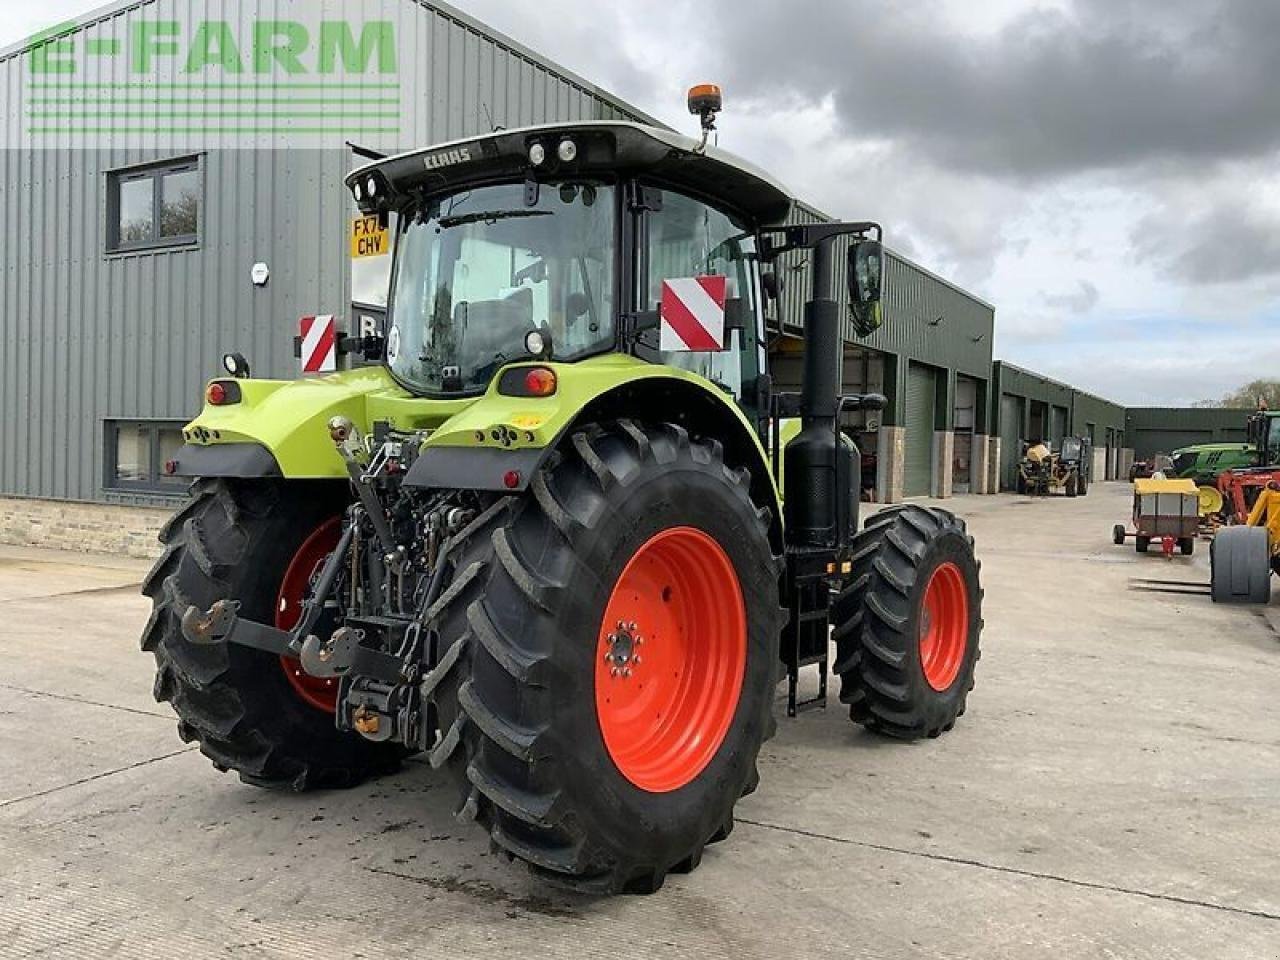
[806, 637]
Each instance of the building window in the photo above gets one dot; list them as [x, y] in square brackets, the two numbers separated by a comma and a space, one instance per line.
[154, 206]
[136, 452]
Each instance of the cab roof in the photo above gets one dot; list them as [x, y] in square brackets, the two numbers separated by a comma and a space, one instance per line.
[603, 148]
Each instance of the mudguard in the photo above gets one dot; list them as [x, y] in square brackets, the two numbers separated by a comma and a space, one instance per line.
[491, 442]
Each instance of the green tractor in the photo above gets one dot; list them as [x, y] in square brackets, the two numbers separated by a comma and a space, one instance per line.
[566, 539]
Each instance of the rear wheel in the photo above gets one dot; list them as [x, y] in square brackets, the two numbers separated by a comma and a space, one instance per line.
[1117, 534]
[609, 654]
[1240, 565]
[1072, 486]
[259, 543]
[1141, 543]
[1187, 546]
[907, 627]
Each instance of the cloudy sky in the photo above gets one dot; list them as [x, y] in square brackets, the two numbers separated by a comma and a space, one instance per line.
[1104, 171]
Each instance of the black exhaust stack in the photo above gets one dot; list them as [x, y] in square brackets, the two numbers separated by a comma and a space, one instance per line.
[822, 466]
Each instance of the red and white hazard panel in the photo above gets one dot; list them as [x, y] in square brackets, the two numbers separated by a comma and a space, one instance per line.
[319, 344]
[692, 313]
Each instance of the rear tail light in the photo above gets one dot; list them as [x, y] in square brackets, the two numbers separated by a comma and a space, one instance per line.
[222, 393]
[528, 382]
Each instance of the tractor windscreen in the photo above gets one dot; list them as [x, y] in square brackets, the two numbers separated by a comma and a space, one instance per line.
[1271, 455]
[477, 272]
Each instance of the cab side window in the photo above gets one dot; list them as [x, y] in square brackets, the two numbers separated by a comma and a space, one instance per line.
[687, 238]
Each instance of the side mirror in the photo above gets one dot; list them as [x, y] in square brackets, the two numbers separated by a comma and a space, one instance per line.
[866, 269]
[1253, 428]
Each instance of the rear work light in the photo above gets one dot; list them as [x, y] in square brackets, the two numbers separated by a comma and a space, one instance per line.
[528, 382]
[222, 393]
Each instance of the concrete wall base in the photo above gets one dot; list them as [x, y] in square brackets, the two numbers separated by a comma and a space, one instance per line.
[943, 469]
[979, 481]
[1126, 461]
[891, 469]
[82, 527]
[1100, 465]
[993, 465]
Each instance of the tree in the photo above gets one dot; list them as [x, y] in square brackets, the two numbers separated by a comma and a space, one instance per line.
[1249, 396]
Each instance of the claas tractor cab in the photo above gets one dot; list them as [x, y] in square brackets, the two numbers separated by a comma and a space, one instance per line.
[566, 538]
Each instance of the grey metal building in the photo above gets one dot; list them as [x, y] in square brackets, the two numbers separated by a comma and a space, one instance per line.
[172, 189]
[132, 221]
[1164, 429]
[1028, 407]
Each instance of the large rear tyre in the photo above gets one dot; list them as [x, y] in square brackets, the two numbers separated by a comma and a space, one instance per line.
[609, 654]
[245, 708]
[1240, 565]
[907, 627]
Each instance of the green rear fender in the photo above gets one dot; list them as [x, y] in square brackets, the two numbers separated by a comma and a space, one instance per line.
[491, 442]
[289, 419]
[500, 441]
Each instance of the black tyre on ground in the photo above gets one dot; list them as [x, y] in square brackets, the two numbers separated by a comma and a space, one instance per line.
[1072, 485]
[1020, 484]
[526, 629]
[907, 628]
[1141, 543]
[236, 540]
[1187, 546]
[1083, 485]
[1240, 565]
[1117, 534]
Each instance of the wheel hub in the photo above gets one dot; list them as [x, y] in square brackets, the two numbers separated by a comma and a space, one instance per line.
[944, 626]
[671, 659]
[623, 656]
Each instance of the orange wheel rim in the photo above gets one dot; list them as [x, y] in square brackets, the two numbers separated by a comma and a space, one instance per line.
[944, 626]
[320, 692]
[670, 659]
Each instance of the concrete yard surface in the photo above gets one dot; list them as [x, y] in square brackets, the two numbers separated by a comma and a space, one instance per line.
[1113, 791]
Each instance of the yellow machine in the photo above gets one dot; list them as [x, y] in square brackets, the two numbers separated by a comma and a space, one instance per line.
[1166, 511]
[1244, 557]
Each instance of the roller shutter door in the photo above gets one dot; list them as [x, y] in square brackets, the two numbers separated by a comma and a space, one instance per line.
[921, 399]
[1057, 426]
[1011, 408]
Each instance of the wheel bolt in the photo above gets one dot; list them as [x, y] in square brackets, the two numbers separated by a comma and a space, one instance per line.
[636, 659]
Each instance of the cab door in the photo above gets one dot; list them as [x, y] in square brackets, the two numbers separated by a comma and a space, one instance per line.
[683, 237]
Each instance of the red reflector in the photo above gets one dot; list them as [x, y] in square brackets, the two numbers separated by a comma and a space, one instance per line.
[217, 395]
[540, 382]
[511, 479]
[170, 467]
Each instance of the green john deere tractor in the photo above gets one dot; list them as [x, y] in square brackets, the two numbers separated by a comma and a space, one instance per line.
[566, 540]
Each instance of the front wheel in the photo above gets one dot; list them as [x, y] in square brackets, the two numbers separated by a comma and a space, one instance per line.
[907, 626]
[609, 654]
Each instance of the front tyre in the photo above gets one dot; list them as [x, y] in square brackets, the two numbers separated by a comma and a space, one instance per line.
[907, 626]
[609, 649]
